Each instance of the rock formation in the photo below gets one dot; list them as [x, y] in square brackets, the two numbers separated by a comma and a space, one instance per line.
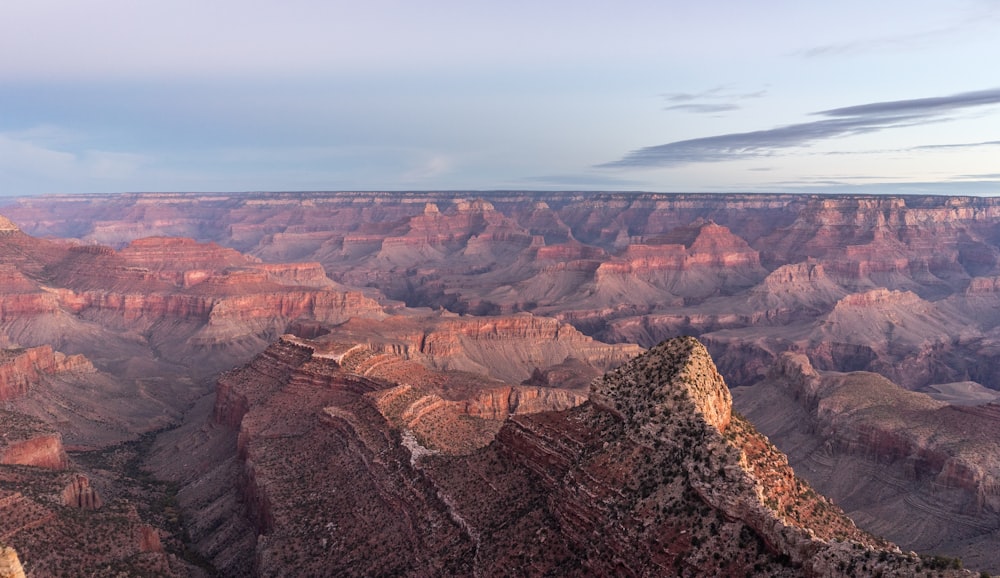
[655, 475]
[10, 565]
[919, 471]
[902, 286]
[28, 441]
[80, 494]
[19, 368]
[620, 267]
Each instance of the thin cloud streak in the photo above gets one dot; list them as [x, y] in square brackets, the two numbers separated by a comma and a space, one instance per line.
[917, 105]
[958, 145]
[847, 121]
[706, 108]
[713, 100]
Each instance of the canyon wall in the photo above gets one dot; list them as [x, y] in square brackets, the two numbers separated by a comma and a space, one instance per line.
[920, 471]
[653, 474]
[753, 275]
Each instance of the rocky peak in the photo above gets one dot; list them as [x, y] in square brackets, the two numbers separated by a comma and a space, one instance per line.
[7, 226]
[10, 565]
[648, 389]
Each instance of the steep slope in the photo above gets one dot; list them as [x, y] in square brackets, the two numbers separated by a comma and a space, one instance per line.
[168, 300]
[653, 476]
[924, 473]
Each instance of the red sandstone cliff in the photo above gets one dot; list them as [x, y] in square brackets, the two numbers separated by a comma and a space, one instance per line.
[19, 368]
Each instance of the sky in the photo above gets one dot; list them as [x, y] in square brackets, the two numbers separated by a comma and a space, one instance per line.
[104, 96]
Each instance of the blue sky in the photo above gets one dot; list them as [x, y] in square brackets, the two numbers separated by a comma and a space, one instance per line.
[226, 95]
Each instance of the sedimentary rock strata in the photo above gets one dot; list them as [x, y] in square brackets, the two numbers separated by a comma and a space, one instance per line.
[917, 470]
[654, 475]
[621, 267]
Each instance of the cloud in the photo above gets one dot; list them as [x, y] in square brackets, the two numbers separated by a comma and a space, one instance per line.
[918, 105]
[704, 108]
[852, 120]
[719, 99]
[958, 145]
[975, 17]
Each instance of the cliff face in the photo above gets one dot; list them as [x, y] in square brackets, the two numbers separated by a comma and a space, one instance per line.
[44, 451]
[189, 303]
[915, 469]
[654, 474]
[19, 368]
[635, 268]
[28, 441]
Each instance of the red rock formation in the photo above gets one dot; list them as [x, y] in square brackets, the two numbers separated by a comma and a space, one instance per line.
[641, 480]
[80, 494]
[43, 451]
[920, 471]
[19, 368]
[27, 441]
[149, 539]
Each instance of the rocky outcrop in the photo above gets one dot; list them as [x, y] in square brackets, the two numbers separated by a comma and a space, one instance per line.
[43, 451]
[654, 475]
[10, 565]
[80, 494]
[920, 471]
[19, 368]
[28, 441]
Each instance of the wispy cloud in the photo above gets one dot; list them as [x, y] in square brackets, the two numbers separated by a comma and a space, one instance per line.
[958, 145]
[852, 120]
[704, 108]
[981, 16]
[711, 101]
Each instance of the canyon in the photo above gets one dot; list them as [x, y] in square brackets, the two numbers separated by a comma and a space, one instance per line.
[417, 348]
[651, 473]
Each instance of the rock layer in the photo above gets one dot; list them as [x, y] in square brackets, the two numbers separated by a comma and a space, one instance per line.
[653, 476]
[917, 470]
[753, 275]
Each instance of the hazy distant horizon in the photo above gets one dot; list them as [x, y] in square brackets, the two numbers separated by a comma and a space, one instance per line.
[116, 96]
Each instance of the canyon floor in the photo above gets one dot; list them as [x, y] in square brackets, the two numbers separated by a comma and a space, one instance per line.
[258, 384]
